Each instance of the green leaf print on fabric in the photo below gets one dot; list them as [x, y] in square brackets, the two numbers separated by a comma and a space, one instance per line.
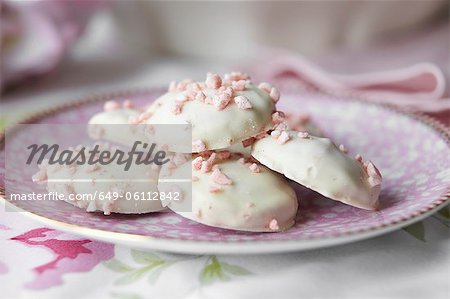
[214, 271]
[117, 266]
[417, 230]
[143, 257]
[152, 265]
[125, 296]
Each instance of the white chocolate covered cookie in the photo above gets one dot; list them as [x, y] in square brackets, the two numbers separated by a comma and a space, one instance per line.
[113, 124]
[107, 188]
[319, 165]
[235, 194]
[222, 112]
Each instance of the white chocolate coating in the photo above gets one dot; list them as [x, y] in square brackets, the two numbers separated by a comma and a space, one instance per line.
[218, 129]
[113, 126]
[257, 202]
[83, 180]
[319, 165]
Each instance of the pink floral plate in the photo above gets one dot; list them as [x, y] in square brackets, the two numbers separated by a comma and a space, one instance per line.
[412, 152]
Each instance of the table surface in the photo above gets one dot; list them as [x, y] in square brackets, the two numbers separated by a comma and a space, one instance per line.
[39, 262]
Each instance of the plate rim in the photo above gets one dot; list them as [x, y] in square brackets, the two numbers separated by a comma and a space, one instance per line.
[228, 247]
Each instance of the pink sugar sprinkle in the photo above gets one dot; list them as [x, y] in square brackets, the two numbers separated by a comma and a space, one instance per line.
[212, 158]
[278, 117]
[241, 160]
[343, 149]
[195, 87]
[111, 105]
[283, 138]
[206, 154]
[40, 176]
[221, 101]
[238, 85]
[213, 81]
[273, 225]
[215, 189]
[373, 182]
[242, 102]
[206, 166]
[304, 135]
[182, 86]
[228, 90]
[195, 178]
[197, 163]
[358, 158]
[254, 168]
[261, 135]
[176, 109]
[372, 171]
[250, 205]
[248, 142]
[200, 96]
[198, 146]
[274, 94]
[236, 76]
[281, 126]
[265, 87]
[128, 104]
[220, 178]
[144, 116]
[223, 155]
[275, 133]
[107, 207]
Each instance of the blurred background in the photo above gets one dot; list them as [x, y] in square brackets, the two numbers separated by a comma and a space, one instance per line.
[53, 51]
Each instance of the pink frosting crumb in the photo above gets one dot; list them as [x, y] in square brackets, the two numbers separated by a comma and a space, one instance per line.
[242, 102]
[214, 189]
[111, 105]
[213, 81]
[343, 149]
[274, 94]
[197, 163]
[198, 146]
[283, 138]
[220, 178]
[273, 225]
[303, 135]
[278, 117]
[128, 104]
[254, 168]
[265, 87]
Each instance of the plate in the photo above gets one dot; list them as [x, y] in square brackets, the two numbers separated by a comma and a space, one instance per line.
[412, 152]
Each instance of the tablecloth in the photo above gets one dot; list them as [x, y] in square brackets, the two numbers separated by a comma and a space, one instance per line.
[40, 262]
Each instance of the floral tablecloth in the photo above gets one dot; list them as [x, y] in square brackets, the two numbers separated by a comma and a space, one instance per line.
[40, 262]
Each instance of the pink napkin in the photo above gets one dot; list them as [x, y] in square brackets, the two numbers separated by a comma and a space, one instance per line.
[37, 35]
[419, 87]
